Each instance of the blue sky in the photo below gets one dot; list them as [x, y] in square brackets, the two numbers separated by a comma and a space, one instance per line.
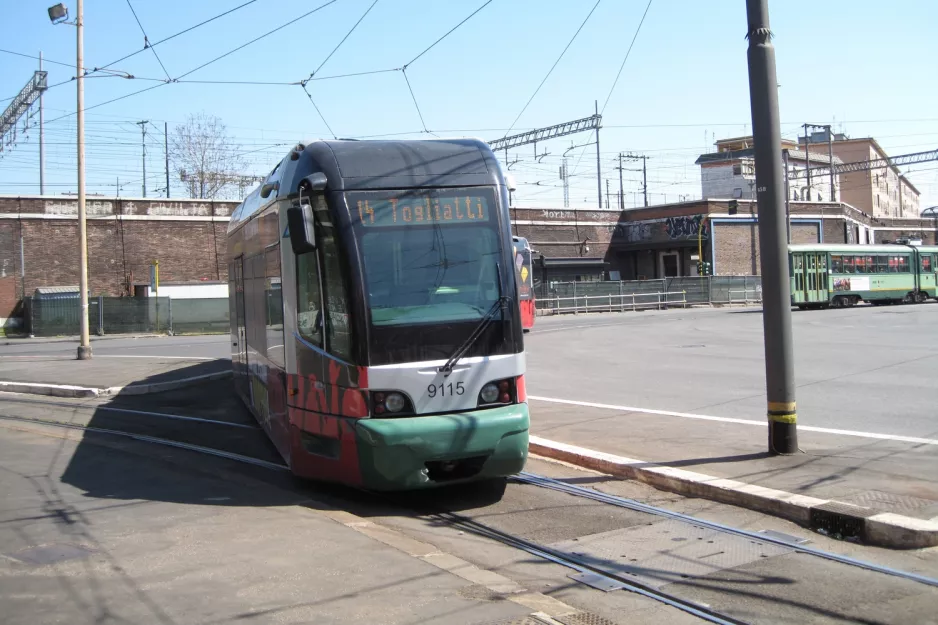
[862, 65]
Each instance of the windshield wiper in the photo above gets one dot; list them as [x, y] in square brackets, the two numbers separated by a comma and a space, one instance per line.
[500, 304]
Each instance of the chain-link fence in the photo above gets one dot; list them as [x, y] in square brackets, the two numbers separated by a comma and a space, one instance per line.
[573, 297]
[127, 315]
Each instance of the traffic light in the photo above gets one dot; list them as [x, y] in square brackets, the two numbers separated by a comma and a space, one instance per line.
[733, 207]
[703, 268]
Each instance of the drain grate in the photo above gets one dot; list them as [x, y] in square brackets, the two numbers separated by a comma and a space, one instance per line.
[840, 519]
[50, 554]
[584, 618]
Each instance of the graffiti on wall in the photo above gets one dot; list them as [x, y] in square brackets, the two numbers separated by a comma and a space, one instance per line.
[686, 227]
[632, 233]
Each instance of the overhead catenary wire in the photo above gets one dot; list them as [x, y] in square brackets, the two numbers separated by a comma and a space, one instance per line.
[448, 33]
[182, 32]
[258, 38]
[551, 70]
[339, 45]
[146, 41]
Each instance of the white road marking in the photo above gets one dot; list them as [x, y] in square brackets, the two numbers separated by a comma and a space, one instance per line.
[688, 415]
[156, 356]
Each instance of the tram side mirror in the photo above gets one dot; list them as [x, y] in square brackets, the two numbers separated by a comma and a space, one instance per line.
[268, 188]
[302, 228]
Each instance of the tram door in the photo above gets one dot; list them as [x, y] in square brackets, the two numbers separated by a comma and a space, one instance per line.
[815, 277]
[241, 377]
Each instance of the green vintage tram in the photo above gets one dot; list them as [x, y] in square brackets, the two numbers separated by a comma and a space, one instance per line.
[834, 276]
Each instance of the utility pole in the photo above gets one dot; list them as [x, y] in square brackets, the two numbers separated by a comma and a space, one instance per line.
[645, 178]
[607, 193]
[599, 173]
[787, 196]
[143, 143]
[807, 159]
[84, 347]
[776, 294]
[166, 151]
[830, 160]
[621, 196]
[42, 140]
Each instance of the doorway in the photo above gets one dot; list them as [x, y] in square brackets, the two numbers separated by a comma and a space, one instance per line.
[669, 264]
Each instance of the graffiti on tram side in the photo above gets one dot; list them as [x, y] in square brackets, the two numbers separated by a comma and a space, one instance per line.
[686, 227]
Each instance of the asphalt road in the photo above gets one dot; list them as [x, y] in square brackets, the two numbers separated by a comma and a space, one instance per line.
[864, 369]
[179, 537]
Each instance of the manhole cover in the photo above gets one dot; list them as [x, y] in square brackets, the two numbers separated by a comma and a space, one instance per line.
[50, 554]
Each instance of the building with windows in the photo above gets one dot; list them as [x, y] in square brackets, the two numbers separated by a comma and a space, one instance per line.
[730, 172]
[884, 192]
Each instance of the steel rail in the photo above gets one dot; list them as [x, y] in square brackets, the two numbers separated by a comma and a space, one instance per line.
[155, 440]
[631, 504]
[572, 562]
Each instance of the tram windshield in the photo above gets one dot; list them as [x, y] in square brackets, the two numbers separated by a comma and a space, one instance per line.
[429, 255]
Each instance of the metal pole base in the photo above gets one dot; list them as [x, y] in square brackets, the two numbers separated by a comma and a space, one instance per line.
[783, 438]
[84, 353]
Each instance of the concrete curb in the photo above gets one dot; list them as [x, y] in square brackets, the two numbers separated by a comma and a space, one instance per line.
[870, 526]
[63, 390]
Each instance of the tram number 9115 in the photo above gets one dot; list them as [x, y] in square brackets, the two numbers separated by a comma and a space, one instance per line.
[444, 389]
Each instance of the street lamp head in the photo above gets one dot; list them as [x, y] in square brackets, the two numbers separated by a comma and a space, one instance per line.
[58, 13]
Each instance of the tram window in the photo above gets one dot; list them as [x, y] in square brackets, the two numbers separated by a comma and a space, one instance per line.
[837, 264]
[308, 298]
[926, 263]
[799, 262]
[848, 264]
[338, 331]
[859, 264]
[903, 264]
[882, 263]
[273, 297]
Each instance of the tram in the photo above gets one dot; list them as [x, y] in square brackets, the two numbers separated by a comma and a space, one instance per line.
[374, 320]
[838, 275]
[524, 275]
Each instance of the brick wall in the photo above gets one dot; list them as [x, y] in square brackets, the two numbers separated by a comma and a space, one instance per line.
[124, 237]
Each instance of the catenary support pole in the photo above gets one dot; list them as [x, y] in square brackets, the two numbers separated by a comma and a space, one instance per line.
[42, 138]
[599, 173]
[166, 153]
[776, 295]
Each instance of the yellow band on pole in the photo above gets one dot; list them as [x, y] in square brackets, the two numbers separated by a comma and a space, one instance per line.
[788, 417]
[782, 406]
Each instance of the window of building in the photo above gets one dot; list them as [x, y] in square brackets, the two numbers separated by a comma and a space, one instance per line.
[737, 170]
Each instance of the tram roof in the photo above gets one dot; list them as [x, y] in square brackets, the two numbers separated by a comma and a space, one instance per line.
[351, 165]
[848, 248]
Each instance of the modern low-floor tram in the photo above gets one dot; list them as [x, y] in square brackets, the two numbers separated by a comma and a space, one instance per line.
[375, 327]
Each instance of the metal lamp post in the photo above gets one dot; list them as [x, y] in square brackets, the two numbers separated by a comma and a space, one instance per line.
[58, 14]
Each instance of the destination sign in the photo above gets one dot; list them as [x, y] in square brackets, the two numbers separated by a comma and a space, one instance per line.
[382, 212]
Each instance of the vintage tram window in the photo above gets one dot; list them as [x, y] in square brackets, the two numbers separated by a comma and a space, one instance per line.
[903, 264]
[882, 263]
[859, 264]
[308, 298]
[848, 264]
[837, 264]
[926, 262]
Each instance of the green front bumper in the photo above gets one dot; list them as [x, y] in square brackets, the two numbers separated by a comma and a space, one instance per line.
[393, 453]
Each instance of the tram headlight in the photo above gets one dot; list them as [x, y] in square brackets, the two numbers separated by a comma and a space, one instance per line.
[489, 393]
[394, 402]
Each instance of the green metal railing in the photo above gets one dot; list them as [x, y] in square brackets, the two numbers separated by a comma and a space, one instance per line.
[574, 297]
[127, 315]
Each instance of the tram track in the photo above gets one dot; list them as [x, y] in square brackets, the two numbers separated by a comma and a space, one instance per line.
[584, 566]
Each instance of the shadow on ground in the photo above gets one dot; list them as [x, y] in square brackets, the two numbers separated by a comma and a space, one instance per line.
[114, 466]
